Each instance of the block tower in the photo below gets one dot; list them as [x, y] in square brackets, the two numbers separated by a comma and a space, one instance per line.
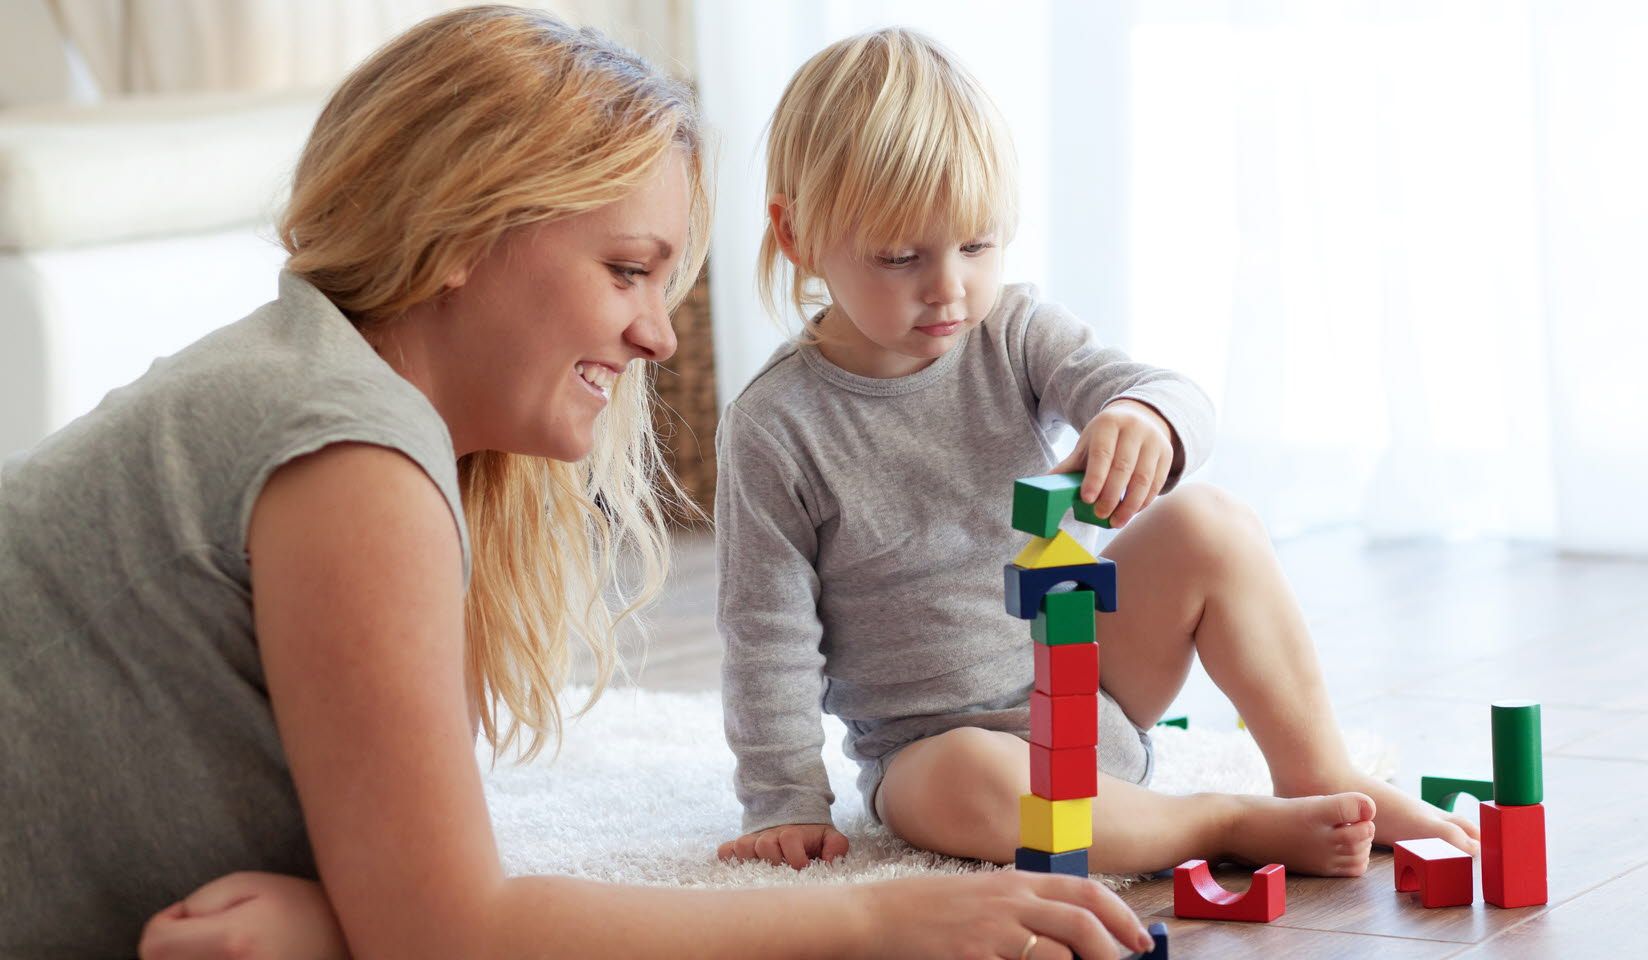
[1513, 822]
[1056, 816]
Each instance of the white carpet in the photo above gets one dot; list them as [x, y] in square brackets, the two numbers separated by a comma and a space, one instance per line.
[642, 793]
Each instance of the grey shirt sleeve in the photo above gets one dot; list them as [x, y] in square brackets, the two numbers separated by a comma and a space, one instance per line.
[1072, 377]
[767, 612]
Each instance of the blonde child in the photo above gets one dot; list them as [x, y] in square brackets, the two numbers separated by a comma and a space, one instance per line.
[862, 519]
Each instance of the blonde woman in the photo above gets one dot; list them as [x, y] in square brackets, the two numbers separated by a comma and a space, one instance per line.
[255, 608]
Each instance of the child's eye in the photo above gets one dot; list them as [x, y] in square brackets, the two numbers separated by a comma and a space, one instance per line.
[977, 246]
[897, 261]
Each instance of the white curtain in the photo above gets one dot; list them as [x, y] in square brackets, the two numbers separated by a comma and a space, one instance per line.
[1401, 244]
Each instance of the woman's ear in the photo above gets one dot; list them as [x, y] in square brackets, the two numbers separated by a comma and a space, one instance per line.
[778, 211]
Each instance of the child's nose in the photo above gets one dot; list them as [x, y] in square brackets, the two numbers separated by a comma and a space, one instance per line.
[946, 286]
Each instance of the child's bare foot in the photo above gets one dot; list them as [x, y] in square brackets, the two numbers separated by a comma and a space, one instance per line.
[1401, 816]
[1326, 836]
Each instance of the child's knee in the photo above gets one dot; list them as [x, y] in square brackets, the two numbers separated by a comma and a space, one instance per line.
[990, 765]
[1210, 527]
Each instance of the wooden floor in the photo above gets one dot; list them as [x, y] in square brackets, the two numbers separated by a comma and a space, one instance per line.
[1416, 641]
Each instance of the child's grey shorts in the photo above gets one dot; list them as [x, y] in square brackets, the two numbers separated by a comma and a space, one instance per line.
[1125, 751]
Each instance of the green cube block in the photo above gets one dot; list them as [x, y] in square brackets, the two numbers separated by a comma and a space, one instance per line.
[1065, 618]
[1039, 503]
[1518, 762]
[1443, 791]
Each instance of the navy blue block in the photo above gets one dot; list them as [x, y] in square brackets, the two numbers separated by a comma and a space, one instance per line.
[1073, 862]
[1025, 588]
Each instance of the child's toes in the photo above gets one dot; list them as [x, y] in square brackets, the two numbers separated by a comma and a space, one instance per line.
[1461, 834]
[1353, 808]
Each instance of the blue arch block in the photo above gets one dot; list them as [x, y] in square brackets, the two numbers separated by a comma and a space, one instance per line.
[1025, 588]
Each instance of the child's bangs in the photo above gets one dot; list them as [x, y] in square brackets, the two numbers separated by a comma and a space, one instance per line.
[950, 204]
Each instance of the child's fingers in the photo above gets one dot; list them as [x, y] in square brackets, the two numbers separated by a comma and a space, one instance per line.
[766, 847]
[1101, 450]
[835, 845]
[727, 851]
[792, 846]
[219, 895]
[187, 938]
[1139, 491]
[1076, 461]
[1117, 475]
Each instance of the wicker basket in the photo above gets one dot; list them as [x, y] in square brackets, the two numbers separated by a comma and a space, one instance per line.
[686, 414]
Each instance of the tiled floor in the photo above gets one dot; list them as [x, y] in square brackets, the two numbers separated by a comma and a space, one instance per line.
[1417, 639]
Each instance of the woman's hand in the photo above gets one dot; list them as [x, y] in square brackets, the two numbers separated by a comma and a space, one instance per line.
[247, 916]
[994, 916]
[796, 844]
[1127, 453]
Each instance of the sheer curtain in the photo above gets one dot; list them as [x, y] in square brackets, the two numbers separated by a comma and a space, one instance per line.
[1402, 245]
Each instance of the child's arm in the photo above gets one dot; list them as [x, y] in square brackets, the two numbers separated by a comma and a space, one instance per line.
[1073, 379]
[772, 674]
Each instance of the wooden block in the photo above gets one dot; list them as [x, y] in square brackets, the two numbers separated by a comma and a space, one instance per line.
[1060, 722]
[1066, 617]
[1025, 589]
[1158, 933]
[1513, 854]
[1067, 669]
[1519, 776]
[1039, 503]
[1061, 550]
[1440, 871]
[1084, 512]
[1055, 826]
[1068, 774]
[1443, 791]
[1197, 896]
[1182, 722]
[1072, 862]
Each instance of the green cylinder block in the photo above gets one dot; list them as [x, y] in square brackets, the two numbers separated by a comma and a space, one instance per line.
[1518, 765]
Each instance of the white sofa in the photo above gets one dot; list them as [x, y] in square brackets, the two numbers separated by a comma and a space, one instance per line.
[128, 229]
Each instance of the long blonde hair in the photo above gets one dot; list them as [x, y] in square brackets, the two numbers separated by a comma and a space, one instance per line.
[470, 124]
[873, 137]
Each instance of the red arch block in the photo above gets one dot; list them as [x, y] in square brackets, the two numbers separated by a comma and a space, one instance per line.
[1197, 896]
[1440, 871]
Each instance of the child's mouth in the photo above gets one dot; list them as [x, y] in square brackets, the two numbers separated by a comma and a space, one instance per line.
[940, 329]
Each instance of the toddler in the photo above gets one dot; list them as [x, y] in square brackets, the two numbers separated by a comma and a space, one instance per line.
[864, 506]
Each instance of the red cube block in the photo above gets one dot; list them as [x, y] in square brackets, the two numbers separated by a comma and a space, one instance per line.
[1439, 871]
[1060, 722]
[1067, 669]
[1068, 774]
[1513, 855]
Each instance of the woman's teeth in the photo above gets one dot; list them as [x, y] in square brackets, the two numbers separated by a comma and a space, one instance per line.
[597, 376]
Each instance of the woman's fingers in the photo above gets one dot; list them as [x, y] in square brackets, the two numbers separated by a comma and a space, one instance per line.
[1096, 900]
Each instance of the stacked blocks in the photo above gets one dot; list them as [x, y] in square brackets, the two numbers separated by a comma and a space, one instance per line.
[1438, 870]
[1056, 817]
[1513, 821]
[1197, 896]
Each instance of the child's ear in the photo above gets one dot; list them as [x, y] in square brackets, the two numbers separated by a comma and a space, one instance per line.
[778, 211]
[457, 278]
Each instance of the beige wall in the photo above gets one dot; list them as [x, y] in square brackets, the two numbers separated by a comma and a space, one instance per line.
[166, 46]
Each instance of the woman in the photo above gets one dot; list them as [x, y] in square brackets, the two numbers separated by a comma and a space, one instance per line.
[258, 603]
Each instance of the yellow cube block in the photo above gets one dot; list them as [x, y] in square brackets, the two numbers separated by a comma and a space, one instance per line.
[1055, 826]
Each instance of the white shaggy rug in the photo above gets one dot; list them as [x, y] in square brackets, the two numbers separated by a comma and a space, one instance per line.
[642, 793]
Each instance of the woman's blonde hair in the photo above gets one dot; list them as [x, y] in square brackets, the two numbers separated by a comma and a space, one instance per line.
[470, 124]
[873, 137]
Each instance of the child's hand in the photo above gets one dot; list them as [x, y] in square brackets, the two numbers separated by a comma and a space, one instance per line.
[247, 916]
[796, 844]
[1127, 454]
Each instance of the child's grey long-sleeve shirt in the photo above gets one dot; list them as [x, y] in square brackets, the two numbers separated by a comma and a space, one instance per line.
[861, 526]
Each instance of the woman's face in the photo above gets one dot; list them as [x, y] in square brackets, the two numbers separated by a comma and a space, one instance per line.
[527, 345]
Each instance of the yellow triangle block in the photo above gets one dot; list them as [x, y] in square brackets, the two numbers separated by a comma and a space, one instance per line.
[1059, 550]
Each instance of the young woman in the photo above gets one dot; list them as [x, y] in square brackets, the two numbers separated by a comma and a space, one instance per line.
[255, 607]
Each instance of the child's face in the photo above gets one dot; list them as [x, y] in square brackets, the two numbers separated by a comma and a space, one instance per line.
[897, 310]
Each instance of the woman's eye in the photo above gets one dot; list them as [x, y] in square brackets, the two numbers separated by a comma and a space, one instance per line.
[627, 273]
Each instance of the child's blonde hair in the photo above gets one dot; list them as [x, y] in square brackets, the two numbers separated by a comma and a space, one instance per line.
[874, 136]
[470, 124]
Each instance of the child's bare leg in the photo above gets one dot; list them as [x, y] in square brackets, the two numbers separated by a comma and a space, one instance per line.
[1197, 571]
[1135, 830]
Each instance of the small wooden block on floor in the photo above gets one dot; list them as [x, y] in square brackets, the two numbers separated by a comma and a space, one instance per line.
[1513, 855]
[1444, 791]
[1438, 870]
[1197, 896]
